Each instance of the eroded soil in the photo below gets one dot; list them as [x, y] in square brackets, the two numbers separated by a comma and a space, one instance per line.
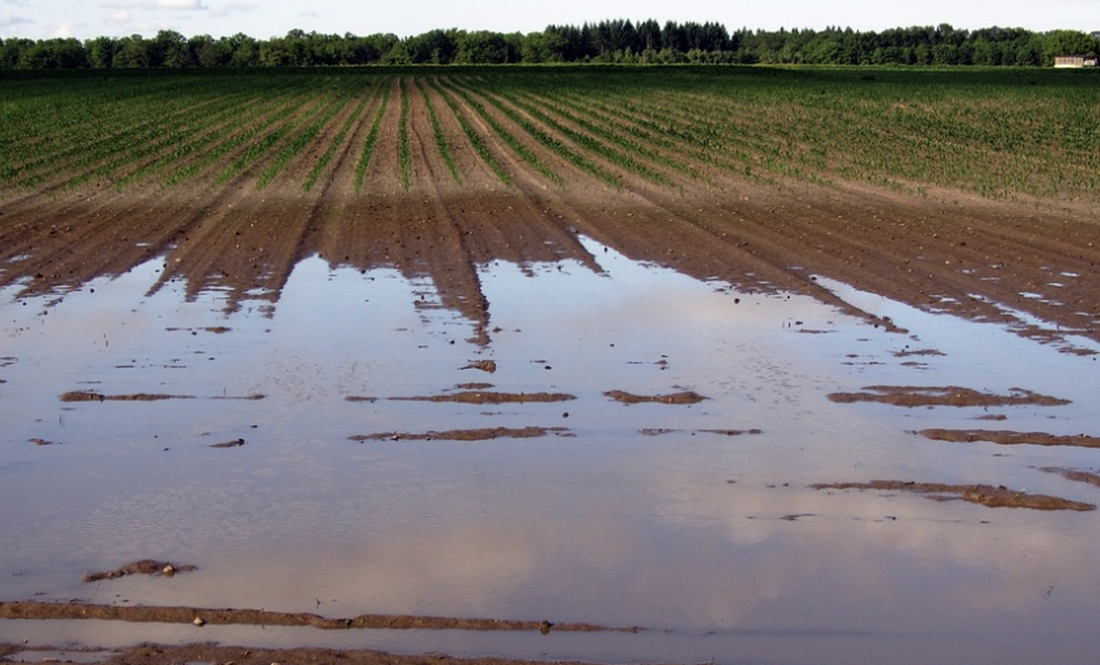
[912, 396]
[1010, 438]
[211, 653]
[477, 434]
[199, 616]
[986, 495]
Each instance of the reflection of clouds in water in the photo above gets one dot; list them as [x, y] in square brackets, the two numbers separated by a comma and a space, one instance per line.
[890, 548]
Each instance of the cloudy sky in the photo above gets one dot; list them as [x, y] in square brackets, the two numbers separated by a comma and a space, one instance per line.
[40, 19]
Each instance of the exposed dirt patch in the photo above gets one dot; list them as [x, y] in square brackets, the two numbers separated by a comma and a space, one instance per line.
[482, 397]
[1009, 437]
[1089, 477]
[144, 614]
[684, 397]
[88, 396]
[911, 396]
[92, 396]
[489, 366]
[143, 567]
[479, 434]
[918, 352]
[986, 495]
[660, 431]
[210, 653]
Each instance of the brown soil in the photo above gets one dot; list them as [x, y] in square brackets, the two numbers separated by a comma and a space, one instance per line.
[143, 567]
[92, 396]
[211, 653]
[86, 396]
[650, 431]
[31, 609]
[684, 397]
[1074, 475]
[1009, 437]
[952, 252]
[911, 396]
[479, 434]
[986, 495]
[482, 397]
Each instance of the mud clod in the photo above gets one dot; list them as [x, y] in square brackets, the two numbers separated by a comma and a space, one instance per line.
[685, 397]
[986, 495]
[143, 567]
[912, 396]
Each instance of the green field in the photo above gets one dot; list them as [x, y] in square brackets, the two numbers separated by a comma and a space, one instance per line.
[996, 132]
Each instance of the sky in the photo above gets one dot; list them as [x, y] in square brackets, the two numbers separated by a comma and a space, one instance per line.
[83, 19]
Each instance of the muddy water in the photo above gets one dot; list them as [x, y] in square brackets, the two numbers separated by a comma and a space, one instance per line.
[693, 521]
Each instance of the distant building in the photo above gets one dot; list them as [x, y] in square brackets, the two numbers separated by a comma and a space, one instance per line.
[1075, 61]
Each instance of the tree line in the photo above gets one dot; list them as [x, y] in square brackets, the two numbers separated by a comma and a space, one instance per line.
[609, 41]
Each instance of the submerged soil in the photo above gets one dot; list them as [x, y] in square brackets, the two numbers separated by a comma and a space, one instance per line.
[912, 396]
[986, 495]
[211, 653]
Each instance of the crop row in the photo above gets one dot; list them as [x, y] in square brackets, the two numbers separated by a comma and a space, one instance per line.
[998, 135]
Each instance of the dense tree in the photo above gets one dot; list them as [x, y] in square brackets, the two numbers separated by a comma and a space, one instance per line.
[609, 41]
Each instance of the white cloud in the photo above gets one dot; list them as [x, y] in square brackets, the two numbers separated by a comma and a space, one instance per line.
[180, 4]
[65, 30]
[9, 19]
[120, 17]
[232, 8]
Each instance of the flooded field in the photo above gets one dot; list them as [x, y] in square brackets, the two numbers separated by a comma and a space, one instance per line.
[732, 365]
[625, 447]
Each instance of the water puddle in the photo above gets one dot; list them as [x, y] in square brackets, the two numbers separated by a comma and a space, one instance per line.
[632, 448]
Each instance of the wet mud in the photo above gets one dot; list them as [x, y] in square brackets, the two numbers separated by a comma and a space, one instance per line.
[682, 397]
[92, 396]
[661, 431]
[143, 567]
[986, 495]
[1075, 475]
[913, 396]
[483, 397]
[983, 259]
[1010, 438]
[478, 434]
[210, 616]
[202, 652]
